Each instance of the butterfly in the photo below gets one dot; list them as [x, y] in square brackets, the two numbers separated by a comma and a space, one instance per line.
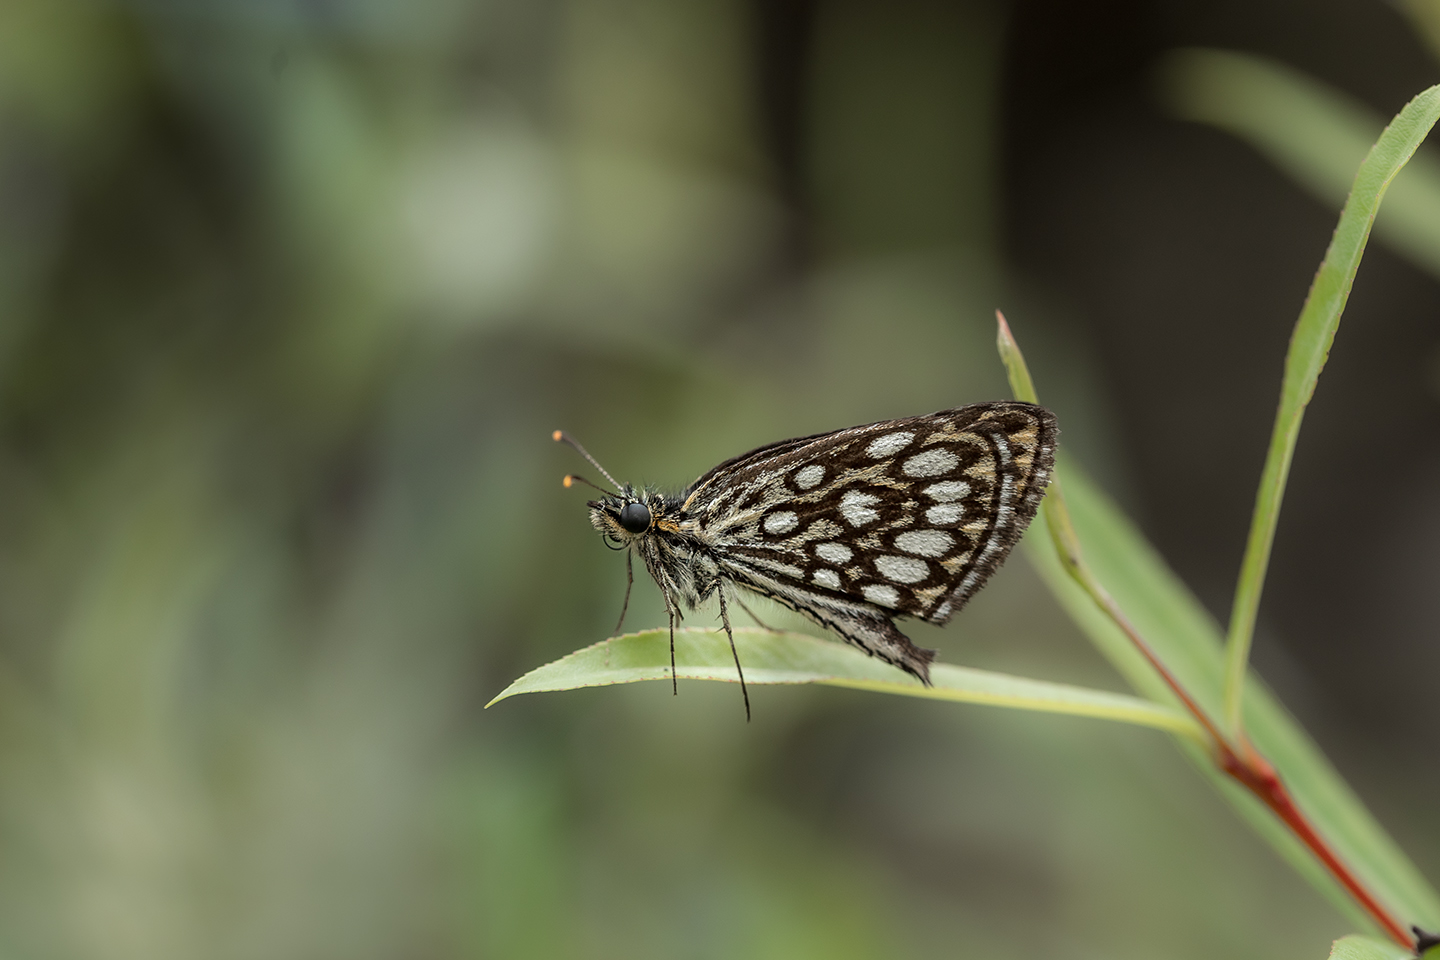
[850, 528]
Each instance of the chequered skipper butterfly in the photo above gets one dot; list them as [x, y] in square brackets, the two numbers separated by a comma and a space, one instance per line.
[851, 528]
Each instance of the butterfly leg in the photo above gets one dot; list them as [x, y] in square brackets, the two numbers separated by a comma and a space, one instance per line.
[674, 684]
[629, 582]
[762, 623]
[725, 619]
[672, 611]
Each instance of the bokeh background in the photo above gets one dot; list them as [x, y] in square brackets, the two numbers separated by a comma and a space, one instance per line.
[292, 293]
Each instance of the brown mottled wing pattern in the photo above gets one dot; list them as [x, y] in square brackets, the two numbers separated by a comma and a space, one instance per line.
[903, 517]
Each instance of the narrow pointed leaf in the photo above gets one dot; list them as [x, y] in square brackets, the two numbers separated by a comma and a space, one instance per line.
[1309, 349]
[789, 658]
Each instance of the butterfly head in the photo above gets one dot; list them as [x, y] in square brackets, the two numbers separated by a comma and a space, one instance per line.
[621, 517]
[627, 516]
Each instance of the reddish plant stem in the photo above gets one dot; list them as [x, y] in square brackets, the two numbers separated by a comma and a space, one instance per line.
[1067, 545]
[1244, 764]
[1248, 767]
[1259, 776]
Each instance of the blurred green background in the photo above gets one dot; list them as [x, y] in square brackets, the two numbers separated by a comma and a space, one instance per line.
[293, 291]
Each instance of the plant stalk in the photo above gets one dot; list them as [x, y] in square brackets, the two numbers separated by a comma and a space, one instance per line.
[1256, 773]
[1240, 760]
[1237, 757]
[1258, 545]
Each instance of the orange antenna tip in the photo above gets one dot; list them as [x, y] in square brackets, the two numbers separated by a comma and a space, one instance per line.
[569, 481]
[562, 436]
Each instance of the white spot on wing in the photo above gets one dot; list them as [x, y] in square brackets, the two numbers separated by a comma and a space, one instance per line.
[808, 476]
[947, 490]
[943, 610]
[855, 508]
[931, 463]
[1004, 510]
[902, 569]
[782, 521]
[833, 552]
[926, 543]
[890, 443]
[881, 594]
[1002, 445]
[827, 578]
[945, 514]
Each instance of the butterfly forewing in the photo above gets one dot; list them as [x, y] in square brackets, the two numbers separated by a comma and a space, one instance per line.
[909, 516]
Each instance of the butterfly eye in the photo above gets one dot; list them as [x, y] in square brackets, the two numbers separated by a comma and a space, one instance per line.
[635, 517]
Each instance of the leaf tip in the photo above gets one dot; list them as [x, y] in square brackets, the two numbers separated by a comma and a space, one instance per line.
[1013, 360]
[1003, 338]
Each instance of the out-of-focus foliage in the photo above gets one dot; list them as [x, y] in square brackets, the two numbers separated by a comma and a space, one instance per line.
[291, 295]
[1426, 17]
[1316, 135]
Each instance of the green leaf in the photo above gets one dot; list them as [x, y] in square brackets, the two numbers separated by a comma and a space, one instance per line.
[776, 657]
[1356, 947]
[1316, 135]
[1188, 640]
[1311, 131]
[1309, 349]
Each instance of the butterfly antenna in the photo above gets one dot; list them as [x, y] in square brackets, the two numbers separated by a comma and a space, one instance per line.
[573, 478]
[562, 437]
